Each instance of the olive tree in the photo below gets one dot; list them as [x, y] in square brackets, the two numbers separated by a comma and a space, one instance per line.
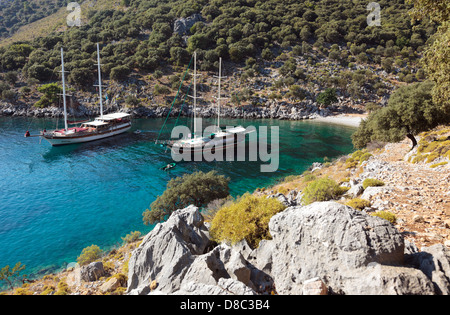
[196, 189]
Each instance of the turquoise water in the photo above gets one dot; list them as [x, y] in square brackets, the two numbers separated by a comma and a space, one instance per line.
[55, 201]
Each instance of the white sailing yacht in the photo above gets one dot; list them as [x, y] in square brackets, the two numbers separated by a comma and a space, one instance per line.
[102, 127]
[220, 139]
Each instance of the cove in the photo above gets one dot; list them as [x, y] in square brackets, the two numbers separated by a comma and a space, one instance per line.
[55, 201]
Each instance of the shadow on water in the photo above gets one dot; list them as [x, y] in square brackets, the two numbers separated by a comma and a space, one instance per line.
[95, 147]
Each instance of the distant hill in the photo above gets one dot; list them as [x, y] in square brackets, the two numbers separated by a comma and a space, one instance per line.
[140, 38]
[17, 13]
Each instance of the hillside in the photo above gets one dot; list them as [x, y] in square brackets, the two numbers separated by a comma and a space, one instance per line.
[277, 50]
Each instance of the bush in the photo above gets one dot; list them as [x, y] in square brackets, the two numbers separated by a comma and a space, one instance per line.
[196, 189]
[89, 254]
[161, 90]
[248, 218]
[132, 237]
[322, 189]
[371, 182]
[386, 215]
[358, 203]
[120, 73]
[327, 98]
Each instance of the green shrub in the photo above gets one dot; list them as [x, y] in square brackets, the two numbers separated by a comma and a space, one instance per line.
[62, 288]
[132, 237]
[89, 254]
[197, 189]
[358, 203]
[371, 182]
[386, 215]
[364, 157]
[438, 164]
[248, 218]
[309, 178]
[322, 189]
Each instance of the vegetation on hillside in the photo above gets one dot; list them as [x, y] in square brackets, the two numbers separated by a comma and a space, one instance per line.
[17, 13]
[139, 38]
[245, 219]
[410, 110]
[197, 189]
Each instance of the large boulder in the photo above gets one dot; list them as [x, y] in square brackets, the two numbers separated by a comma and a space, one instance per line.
[176, 255]
[353, 253]
[434, 262]
[182, 26]
[167, 250]
[92, 272]
[322, 248]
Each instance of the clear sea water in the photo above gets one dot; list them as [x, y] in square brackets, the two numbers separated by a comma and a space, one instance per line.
[55, 201]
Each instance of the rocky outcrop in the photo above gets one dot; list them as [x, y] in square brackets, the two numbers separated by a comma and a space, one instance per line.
[182, 26]
[323, 248]
[92, 272]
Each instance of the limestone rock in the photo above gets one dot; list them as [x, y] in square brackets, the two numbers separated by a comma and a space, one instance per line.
[166, 252]
[434, 262]
[314, 286]
[92, 272]
[326, 240]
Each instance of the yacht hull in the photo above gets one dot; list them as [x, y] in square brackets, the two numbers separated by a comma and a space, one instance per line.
[74, 138]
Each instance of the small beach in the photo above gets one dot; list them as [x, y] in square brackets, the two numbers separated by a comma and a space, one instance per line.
[352, 120]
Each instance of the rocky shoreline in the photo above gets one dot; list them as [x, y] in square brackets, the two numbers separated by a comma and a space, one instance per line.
[323, 248]
[281, 111]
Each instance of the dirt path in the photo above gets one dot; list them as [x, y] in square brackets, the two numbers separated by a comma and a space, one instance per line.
[421, 196]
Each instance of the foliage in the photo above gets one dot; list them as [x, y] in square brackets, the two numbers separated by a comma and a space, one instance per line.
[62, 288]
[322, 189]
[371, 182]
[89, 254]
[17, 13]
[50, 97]
[120, 73]
[410, 110]
[132, 237]
[436, 56]
[437, 66]
[10, 276]
[196, 189]
[389, 216]
[358, 203]
[357, 158]
[141, 37]
[433, 144]
[247, 218]
[327, 97]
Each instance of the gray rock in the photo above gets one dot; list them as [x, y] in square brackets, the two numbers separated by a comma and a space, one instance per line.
[355, 191]
[168, 250]
[175, 255]
[344, 250]
[333, 242]
[434, 262]
[371, 192]
[183, 26]
[92, 272]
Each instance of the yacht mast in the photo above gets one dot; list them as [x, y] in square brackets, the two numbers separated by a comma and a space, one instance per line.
[99, 81]
[64, 90]
[195, 94]
[219, 97]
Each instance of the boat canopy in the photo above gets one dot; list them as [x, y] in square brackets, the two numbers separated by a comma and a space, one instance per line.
[114, 116]
[96, 123]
